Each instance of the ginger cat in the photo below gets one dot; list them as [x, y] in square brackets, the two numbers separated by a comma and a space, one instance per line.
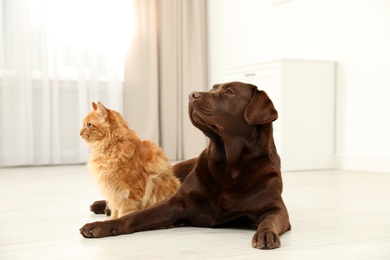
[132, 174]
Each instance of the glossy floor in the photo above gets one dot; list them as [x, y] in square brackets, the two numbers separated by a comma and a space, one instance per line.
[334, 215]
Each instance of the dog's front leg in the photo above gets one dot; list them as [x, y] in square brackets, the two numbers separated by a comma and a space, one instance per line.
[163, 214]
[269, 230]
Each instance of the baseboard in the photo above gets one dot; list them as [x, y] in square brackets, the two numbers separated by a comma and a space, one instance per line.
[362, 164]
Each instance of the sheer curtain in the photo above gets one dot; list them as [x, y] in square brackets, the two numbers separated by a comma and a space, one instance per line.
[56, 57]
[166, 61]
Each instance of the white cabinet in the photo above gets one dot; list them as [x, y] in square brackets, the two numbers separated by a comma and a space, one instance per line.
[303, 92]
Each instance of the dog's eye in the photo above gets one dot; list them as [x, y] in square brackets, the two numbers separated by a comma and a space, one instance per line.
[89, 125]
[229, 91]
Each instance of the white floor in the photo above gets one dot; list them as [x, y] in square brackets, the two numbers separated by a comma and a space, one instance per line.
[334, 215]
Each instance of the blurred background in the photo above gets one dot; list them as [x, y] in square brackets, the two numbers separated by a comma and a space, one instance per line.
[143, 57]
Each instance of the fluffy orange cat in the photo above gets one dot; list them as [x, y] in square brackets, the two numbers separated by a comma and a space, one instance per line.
[132, 174]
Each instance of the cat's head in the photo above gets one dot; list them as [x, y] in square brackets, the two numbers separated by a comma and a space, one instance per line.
[96, 124]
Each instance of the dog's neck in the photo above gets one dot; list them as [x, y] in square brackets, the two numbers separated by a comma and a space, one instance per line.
[236, 150]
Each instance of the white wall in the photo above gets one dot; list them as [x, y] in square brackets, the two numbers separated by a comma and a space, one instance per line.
[354, 33]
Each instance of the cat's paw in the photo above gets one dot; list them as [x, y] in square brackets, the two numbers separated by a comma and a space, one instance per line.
[101, 229]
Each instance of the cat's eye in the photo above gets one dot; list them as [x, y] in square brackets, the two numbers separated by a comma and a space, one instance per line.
[89, 125]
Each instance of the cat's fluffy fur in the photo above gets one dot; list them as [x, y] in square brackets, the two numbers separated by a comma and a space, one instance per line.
[132, 174]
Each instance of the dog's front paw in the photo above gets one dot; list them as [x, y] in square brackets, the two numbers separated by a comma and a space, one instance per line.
[100, 229]
[265, 240]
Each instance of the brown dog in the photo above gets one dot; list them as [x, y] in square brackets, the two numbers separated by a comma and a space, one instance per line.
[236, 179]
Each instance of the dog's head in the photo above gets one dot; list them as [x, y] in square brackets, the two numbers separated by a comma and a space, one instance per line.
[231, 108]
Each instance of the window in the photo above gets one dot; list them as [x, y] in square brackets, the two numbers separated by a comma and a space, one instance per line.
[64, 38]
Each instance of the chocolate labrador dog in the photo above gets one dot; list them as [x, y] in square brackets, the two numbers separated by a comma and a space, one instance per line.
[236, 179]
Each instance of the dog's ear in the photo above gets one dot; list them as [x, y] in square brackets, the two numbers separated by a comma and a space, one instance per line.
[260, 110]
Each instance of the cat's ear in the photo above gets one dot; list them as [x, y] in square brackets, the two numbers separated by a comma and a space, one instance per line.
[94, 105]
[102, 111]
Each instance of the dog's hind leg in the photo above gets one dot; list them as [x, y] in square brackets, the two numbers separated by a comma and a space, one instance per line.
[100, 207]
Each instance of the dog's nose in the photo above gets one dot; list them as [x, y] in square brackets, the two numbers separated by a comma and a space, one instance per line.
[194, 95]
